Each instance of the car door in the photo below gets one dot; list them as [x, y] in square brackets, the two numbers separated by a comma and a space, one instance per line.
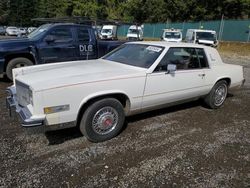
[58, 45]
[87, 48]
[185, 83]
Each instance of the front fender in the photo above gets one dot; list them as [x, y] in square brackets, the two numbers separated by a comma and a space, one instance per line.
[100, 94]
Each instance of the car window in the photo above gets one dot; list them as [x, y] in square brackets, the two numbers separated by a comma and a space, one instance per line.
[83, 34]
[183, 58]
[202, 57]
[61, 34]
[206, 35]
[140, 55]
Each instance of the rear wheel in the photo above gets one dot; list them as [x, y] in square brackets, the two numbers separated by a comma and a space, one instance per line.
[16, 63]
[102, 120]
[217, 95]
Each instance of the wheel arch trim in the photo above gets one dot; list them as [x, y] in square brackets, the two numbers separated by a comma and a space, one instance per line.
[226, 78]
[100, 95]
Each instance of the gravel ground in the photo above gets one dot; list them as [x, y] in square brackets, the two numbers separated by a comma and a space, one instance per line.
[183, 146]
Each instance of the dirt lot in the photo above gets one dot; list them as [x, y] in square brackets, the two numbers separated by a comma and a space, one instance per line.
[183, 146]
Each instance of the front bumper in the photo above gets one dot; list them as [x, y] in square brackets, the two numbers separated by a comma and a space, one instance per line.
[25, 115]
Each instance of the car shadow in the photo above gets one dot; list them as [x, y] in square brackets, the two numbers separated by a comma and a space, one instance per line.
[60, 136]
[5, 79]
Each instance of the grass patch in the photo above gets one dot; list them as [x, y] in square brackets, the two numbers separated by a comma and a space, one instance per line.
[239, 48]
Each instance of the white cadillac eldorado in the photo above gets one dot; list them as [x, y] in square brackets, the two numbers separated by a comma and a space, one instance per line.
[97, 95]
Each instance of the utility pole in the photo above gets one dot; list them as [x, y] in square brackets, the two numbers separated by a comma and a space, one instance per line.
[221, 27]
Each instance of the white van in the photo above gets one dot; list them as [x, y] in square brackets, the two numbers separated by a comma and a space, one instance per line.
[135, 33]
[172, 35]
[109, 32]
[199, 36]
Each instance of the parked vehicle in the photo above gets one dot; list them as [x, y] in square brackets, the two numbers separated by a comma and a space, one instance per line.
[109, 32]
[30, 29]
[52, 43]
[135, 33]
[2, 30]
[22, 31]
[96, 95]
[12, 31]
[199, 36]
[97, 30]
[172, 35]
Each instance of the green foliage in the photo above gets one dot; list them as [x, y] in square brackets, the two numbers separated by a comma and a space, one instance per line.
[20, 12]
[4, 11]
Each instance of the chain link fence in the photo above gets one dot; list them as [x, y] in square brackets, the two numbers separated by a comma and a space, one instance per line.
[227, 30]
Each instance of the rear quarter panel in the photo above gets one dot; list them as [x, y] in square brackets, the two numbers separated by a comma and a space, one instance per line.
[218, 70]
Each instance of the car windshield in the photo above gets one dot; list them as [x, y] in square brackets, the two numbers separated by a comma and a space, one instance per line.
[12, 28]
[39, 31]
[133, 31]
[139, 55]
[172, 35]
[107, 31]
[206, 35]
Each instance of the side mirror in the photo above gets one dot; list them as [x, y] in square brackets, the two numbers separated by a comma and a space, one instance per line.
[171, 68]
[49, 39]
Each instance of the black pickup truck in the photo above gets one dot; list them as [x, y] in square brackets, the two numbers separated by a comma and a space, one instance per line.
[50, 43]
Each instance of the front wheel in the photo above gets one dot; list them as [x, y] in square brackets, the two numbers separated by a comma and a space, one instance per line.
[102, 120]
[217, 95]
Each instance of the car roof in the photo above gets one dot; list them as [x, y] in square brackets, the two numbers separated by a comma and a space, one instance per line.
[172, 30]
[202, 30]
[69, 24]
[169, 44]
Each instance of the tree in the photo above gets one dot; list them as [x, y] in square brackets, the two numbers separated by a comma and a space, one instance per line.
[20, 12]
[4, 11]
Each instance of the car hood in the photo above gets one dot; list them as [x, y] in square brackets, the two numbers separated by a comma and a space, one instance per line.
[172, 40]
[49, 76]
[203, 41]
[9, 43]
[133, 35]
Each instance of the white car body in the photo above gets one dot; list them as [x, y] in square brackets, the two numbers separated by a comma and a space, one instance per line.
[135, 33]
[12, 31]
[71, 85]
[172, 35]
[22, 31]
[31, 29]
[109, 32]
[192, 36]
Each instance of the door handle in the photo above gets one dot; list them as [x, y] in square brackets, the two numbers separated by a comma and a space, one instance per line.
[202, 75]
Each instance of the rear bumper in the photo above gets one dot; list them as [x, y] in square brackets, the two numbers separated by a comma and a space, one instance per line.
[25, 115]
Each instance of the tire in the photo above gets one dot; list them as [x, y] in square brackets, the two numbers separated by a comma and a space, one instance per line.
[15, 63]
[217, 96]
[102, 120]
